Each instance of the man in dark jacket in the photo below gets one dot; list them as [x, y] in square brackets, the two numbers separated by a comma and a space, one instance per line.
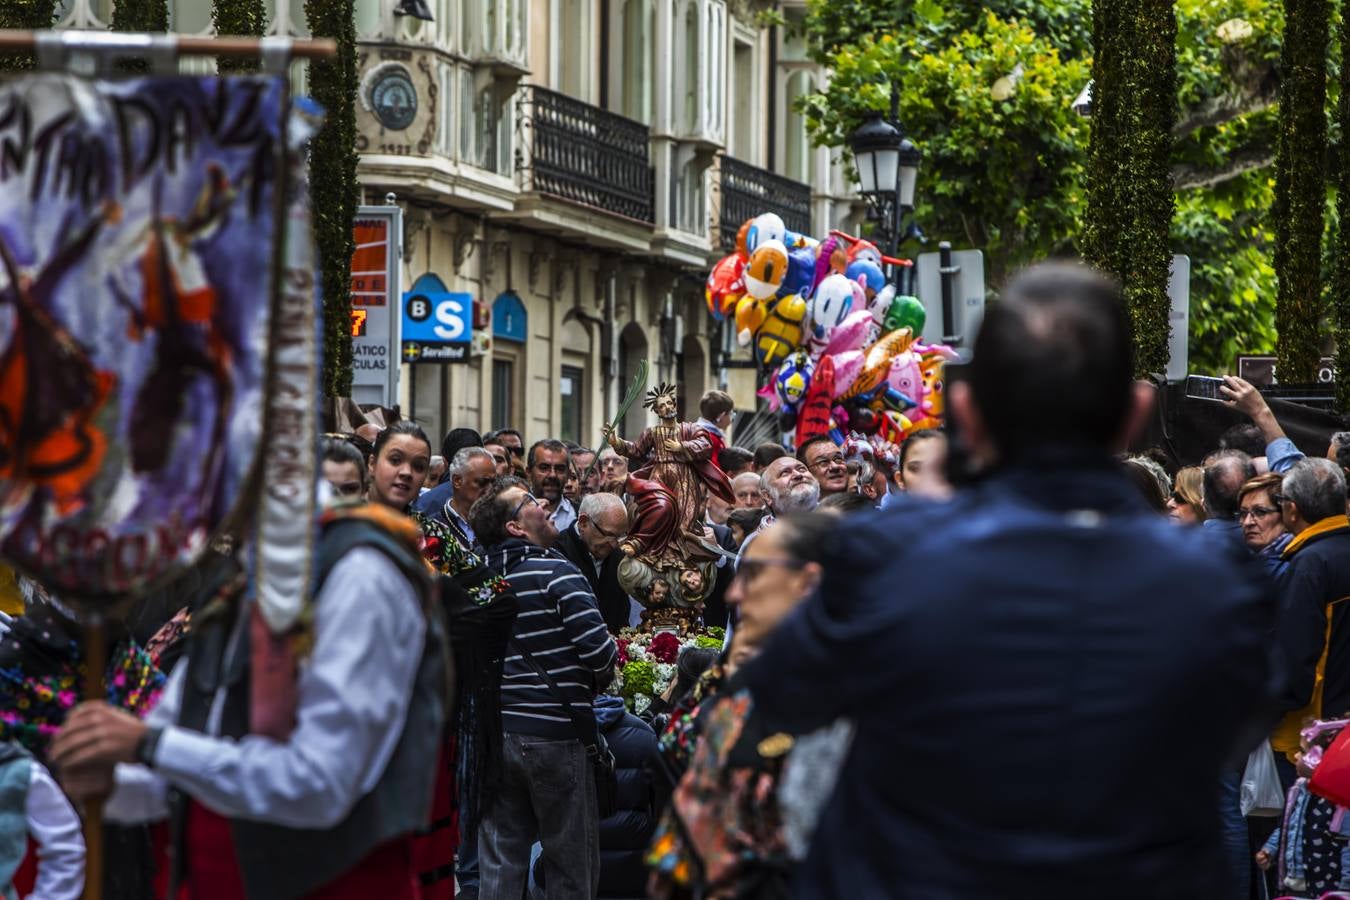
[1014, 659]
[1315, 580]
[559, 654]
[591, 544]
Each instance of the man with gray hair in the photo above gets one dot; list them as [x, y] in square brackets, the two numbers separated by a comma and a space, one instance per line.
[1311, 627]
[590, 544]
[471, 472]
[789, 487]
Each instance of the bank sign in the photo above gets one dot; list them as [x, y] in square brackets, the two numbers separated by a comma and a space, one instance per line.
[437, 324]
[374, 324]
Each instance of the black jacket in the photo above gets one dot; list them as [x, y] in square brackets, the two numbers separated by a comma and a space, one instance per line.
[715, 607]
[1045, 678]
[612, 599]
[1313, 626]
[624, 836]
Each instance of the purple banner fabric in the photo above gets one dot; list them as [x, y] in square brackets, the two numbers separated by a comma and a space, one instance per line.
[137, 225]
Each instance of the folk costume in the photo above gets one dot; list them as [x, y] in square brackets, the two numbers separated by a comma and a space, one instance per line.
[328, 809]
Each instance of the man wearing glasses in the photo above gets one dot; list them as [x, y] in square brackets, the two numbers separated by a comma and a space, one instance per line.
[560, 655]
[826, 462]
[590, 544]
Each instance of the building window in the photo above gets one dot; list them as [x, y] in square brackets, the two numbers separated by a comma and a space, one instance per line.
[571, 387]
[744, 104]
[691, 68]
[572, 49]
[634, 87]
[503, 389]
[799, 158]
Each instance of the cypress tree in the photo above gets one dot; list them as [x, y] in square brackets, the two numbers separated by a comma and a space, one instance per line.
[139, 15]
[29, 15]
[243, 17]
[1300, 189]
[333, 186]
[1129, 183]
[1341, 293]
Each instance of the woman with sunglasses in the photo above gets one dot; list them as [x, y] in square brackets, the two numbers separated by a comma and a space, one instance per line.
[1259, 517]
[1186, 506]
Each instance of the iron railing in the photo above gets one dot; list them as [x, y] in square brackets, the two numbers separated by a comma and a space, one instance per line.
[749, 190]
[587, 155]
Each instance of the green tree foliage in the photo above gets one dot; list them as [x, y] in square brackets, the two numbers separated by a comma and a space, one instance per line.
[1300, 187]
[1341, 283]
[139, 15]
[248, 17]
[1025, 196]
[1129, 187]
[333, 186]
[24, 14]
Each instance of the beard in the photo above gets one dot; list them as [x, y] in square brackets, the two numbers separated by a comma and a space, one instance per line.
[549, 489]
[799, 499]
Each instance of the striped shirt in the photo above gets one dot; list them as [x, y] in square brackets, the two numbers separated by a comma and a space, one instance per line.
[559, 623]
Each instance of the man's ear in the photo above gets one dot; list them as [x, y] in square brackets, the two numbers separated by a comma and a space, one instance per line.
[965, 412]
[515, 529]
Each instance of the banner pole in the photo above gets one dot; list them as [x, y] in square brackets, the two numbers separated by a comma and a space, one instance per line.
[95, 688]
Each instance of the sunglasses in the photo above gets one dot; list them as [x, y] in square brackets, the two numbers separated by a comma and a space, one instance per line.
[529, 498]
[516, 451]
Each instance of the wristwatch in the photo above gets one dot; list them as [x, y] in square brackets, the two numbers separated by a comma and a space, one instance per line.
[149, 743]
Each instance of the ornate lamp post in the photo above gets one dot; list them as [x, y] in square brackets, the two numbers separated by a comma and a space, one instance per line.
[888, 169]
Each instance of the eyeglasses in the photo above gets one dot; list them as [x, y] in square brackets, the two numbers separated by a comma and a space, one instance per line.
[529, 498]
[612, 462]
[1279, 498]
[749, 569]
[1255, 512]
[613, 536]
[516, 451]
[555, 468]
[837, 459]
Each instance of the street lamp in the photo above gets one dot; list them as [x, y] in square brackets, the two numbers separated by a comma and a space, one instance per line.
[888, 170]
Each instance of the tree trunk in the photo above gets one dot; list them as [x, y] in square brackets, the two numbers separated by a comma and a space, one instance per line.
[245, 17]
[1300, 191]
[28, 15]
[1129, 178]
[333, 187]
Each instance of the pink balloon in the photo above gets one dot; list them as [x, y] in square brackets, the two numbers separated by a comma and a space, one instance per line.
[847, 367]
[851, 334]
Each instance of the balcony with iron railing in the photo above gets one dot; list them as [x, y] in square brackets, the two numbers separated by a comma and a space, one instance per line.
[749, 190]
[583, 154]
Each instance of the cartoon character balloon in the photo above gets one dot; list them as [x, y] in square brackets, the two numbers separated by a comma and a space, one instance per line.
[767, 267]
[726, 284]
[765, 227]
[905, 312]
[792, 380]
[781, 332]
[831, 302]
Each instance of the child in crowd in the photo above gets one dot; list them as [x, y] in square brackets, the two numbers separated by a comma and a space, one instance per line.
[1311, 847]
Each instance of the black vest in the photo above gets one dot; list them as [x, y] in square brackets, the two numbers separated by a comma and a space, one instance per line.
[280, 863]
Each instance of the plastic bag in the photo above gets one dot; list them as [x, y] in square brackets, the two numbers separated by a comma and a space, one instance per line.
[1261, 794]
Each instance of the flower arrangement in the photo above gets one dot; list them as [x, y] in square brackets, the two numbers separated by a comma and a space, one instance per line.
[647, 663]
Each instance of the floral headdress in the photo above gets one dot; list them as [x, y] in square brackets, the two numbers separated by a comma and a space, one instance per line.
[655, 394]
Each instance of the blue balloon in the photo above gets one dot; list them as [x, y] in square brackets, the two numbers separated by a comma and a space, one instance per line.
[860, 267]
[801, 271]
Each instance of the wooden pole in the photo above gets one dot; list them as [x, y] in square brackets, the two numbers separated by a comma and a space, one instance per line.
[96, 665]
[185, 45]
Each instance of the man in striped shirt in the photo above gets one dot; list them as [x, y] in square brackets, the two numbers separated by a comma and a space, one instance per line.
[547, 792]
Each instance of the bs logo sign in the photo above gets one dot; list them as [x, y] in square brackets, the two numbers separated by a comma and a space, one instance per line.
[437, 324]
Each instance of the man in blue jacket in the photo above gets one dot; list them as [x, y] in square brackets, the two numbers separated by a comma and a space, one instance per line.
[1046, 678]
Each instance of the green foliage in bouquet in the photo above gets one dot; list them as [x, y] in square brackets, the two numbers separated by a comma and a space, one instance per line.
[639, 677]
[708, 642]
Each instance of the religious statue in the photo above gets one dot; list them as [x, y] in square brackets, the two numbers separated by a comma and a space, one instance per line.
[672, 473]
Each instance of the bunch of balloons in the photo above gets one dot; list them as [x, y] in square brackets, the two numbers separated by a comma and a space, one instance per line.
[841, 347]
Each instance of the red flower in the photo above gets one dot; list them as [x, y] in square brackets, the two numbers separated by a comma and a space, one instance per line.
[623, 651]
[665, 647]
[431, 549]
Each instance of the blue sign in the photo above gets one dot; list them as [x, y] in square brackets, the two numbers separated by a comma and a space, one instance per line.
[508, 318]
[437, 324]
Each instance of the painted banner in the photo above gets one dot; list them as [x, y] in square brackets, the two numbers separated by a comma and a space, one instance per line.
[138, 221]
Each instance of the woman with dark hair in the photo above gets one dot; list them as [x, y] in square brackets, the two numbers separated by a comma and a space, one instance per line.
[480, 609]
[344, 467]
[1142, 478]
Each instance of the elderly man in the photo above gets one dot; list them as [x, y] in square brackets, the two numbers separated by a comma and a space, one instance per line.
[590, 544]
[788, 487]
[939, 626]
[472, 472]
[746, 487]
[1226, 471]
[1311, 628]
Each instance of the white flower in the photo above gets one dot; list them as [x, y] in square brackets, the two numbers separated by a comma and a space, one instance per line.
[641, 703]
[1234, 30]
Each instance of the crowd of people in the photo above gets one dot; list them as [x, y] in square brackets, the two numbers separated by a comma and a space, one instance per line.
[1038, 673]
